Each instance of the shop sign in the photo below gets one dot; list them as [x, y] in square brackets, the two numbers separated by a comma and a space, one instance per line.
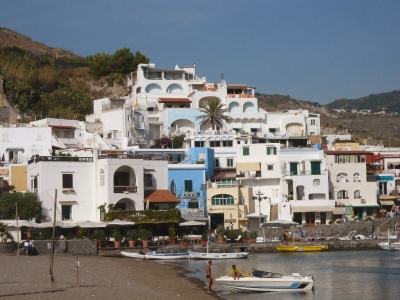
[230, 221]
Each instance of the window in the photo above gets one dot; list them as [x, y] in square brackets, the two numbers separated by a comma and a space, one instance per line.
[356, 177]
[148, 179]
[216, 163]
[102, 178]
[343, 194]
[316, 182]
[67, 181]
[188, 186]
[229, 162]
[222, 200]
[275, 192]
[271, 150]
[246, 151]
[341, 177]
[293, 168]
[312, 122]
[66, 212]
[315, 168]
[270, 167]
[193, 204]
[357, 194]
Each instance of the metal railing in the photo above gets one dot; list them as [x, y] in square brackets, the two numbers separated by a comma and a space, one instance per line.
[125, 189]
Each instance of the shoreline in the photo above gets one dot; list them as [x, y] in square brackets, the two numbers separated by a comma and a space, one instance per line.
[99, 277]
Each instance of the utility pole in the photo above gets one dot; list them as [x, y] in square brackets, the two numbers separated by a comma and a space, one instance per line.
[16, 216]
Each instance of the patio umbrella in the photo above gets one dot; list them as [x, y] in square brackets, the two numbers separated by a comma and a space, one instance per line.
[90, 224]
[192, 223]
[21, 223]
[58, 224]
[119, 223]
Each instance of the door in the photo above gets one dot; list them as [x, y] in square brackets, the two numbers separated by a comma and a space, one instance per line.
[293, 168]
[310, 219]
[315, 168]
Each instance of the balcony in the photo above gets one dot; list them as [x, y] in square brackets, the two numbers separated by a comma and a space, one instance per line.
[61, 158]
[302, 173]
[192, 194]
[125, 189]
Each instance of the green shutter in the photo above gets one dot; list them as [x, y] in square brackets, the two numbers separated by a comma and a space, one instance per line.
[268, 150]
[315, 168]
[188, 186]
[246, 151]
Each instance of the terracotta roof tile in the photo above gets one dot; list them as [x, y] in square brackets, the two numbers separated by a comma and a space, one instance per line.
[156, 196]
[174, 100]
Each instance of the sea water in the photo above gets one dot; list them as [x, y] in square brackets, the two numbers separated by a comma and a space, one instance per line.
[365, 274]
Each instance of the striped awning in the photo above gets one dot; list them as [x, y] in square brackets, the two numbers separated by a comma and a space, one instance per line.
[247, 166]
[312, 209]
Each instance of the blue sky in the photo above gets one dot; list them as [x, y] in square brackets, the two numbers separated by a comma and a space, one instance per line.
[315, 50]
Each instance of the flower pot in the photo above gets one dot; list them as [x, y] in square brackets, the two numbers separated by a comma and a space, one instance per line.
[99, 243]
[245, 240]
[117, 244]
[221, 240]
[131, 243]
[173, 241]
[185, 244]
[253, 240]
[203, 243]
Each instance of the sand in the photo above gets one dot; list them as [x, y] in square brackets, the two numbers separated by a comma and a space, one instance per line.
[98, 278]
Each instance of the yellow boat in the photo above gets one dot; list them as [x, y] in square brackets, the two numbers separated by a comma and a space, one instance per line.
[304, 248]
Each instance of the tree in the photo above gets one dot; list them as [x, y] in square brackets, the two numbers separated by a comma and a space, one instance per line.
[29, 206]
[213, 113]
[4, 234]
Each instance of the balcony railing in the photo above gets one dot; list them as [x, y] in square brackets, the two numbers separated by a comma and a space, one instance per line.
[288, 173]
[125, 189]
[132, 156]
[61, 158]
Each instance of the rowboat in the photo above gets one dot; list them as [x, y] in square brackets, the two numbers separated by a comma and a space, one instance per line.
[214, 255]
[261, 281]
[305, 248]
[157, 255]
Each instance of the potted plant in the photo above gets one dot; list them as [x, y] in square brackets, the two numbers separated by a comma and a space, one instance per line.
[245, 236]
[253, 236]
[184, 241]
[172, 234]
[144, 236]
[204, 238]
[99, 236]
[232, 235]
[116, 234]
[132, 236]
[220, 234]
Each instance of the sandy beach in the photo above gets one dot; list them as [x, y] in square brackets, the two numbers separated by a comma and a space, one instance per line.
[99, 277]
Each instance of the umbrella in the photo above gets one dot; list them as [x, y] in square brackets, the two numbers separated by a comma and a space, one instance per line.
[21, 223]
[58, 224]
[192, 223]
[90, 224]
[277, 223]
[117, 223]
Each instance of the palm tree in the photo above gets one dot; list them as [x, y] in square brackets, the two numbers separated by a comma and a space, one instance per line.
[213, 112]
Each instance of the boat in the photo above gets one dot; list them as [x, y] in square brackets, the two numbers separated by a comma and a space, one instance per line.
[214, 255]
[261, 281]
[387, 245]
[157, 255]
[303, 248]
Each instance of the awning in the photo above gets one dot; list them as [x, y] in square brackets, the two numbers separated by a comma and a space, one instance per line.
[338, 211]
[388, 197]
[312, 209]
[387, 202]
[255, 125]
[273, 125]
[15, 149]
[174, 100]
[366, 205]
[237, 125]
[255, 215]
[224, 175]
[247, 166]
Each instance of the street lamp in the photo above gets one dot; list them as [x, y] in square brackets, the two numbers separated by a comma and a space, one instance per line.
[259, 205]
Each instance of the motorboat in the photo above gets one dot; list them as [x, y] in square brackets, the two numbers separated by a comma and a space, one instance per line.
[303, 248]
[389, 246]
[160, 255]
[261, 281]
[215, 255]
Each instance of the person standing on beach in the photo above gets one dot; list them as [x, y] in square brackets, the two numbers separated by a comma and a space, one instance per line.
[26, 247]
[209, 277]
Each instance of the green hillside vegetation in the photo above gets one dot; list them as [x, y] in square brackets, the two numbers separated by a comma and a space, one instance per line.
[45, 86]
[389, 101]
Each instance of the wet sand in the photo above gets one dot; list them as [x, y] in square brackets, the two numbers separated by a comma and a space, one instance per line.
[98, 278]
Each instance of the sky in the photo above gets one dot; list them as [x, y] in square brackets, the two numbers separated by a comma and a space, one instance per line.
[314, 50]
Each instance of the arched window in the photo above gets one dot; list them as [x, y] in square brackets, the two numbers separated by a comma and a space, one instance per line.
[248, 107]
[193, 204]
[222, 200]
[357, 194]
[234, 107]
[343, 194]
[102, 178]
[356, 177]
[174, 89]
[341, 177]
[153, 89]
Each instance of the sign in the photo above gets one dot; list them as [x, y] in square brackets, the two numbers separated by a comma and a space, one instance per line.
[230, 221]
[222, 208]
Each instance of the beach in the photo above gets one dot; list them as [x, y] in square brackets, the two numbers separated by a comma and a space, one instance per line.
[98, 277]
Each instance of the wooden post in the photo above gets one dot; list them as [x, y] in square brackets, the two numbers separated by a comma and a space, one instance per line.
[52, 240]
[16, 216]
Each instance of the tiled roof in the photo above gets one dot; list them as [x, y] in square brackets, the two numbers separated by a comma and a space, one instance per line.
[174, 100]
[156, 196]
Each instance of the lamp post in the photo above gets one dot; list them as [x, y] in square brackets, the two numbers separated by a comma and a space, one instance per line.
[259, 205]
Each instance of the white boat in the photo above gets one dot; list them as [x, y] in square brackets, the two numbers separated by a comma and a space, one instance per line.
[387, 245]
[261, 281]
[214, 255]
[157, 255]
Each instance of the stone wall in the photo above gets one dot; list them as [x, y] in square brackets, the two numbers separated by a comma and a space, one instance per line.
[73, 247]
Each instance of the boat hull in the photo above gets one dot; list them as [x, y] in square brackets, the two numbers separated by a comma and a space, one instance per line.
[158, 255]
[255, 284]
[216, 256]
[387, 246]
[305, 248]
